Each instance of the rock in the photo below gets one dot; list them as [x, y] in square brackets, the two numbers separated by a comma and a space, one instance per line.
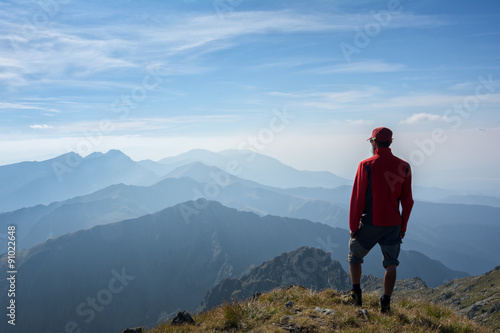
[133, 330]
[324, 311]
[475, 309]
[255, 296]
[445, 296]
[289, 305]
[494, 308]
[183, 318]
[364, 314]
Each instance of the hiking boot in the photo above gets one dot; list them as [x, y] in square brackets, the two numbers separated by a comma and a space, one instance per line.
[353, 298]
[385, 308]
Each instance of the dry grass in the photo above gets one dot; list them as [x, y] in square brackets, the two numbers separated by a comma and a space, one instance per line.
[269, 314]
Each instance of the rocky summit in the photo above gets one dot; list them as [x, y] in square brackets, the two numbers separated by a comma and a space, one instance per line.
[309, 267]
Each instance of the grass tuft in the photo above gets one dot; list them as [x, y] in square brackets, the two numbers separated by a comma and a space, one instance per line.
[233, 314]
[436, 311]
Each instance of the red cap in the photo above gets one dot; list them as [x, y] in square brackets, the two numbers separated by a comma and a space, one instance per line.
[381, 134]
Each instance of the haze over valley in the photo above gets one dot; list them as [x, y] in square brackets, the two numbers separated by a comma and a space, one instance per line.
[170, 222]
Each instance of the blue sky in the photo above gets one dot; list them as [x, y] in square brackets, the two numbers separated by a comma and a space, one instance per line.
[302, 81]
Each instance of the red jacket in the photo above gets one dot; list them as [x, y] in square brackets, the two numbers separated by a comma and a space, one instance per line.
[382, 182]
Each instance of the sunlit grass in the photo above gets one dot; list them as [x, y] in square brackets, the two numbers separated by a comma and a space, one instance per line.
[269, 314]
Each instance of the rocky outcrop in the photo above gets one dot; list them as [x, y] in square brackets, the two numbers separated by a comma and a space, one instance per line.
[309, 267]
[183, 318]
[133, 330]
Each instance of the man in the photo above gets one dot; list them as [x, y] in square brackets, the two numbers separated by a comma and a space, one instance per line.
[382, 183]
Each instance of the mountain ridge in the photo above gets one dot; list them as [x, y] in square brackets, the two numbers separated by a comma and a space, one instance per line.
[27, 184]
[439, 231]
[260, 168]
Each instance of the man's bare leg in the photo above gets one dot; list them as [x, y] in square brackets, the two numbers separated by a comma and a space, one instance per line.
[355, 270]
[355, 296]
[389, 279]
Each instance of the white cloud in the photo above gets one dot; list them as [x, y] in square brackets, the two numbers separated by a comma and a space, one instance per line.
[137, 125]
[421, 118]
[17, 106]
[43, 126]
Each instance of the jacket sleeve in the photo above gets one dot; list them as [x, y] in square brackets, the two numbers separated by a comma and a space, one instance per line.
[358, 197]
[406, 200]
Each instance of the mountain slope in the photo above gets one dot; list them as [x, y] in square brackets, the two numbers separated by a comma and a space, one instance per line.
[119, 202]
[142, 269]
[112, 204]
[455, 234]
[477, 297]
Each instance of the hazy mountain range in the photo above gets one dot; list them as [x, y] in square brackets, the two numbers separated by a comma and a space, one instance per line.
[451, 233]
[139, 271]
[109, 242]
[28, 184]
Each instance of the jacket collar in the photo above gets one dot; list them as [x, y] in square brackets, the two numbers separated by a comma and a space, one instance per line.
[383, 151]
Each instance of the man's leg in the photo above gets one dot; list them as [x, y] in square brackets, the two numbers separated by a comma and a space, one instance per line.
[389, 282]
[355, 258]
[355, 270]
[391, 246]
[358, 249]
[389, 279]
[355, 296]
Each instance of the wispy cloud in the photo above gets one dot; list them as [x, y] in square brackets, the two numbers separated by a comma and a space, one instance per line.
[42, 126]
[332, 100]
[17, 106]
[422, 118]
[135, 125]
[62, 51]
[431, 100]
[371, 66]
[49, 110]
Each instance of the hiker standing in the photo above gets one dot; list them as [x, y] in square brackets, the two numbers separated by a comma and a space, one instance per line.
[382, 182]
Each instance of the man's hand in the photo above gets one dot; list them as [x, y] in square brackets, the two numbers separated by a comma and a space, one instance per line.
[403, 234]
[353, 234]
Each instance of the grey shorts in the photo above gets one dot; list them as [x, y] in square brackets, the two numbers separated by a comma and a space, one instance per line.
[368, 235]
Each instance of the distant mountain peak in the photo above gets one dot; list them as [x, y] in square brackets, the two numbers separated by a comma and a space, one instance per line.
[260, 168]
[94, 155]
[115, 152]
[66, 156]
